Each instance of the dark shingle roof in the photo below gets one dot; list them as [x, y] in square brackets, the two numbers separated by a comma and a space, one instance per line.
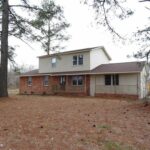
[125, 67]
[32, 72]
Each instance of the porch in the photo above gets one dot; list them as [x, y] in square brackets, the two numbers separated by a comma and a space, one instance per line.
[72, 84]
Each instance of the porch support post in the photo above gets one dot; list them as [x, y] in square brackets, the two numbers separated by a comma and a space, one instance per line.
[66, 89]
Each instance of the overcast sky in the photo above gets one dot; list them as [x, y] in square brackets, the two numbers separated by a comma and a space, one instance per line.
[85, 33]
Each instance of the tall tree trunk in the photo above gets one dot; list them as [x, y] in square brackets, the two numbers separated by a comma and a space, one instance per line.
[4, 49]
[48, 44]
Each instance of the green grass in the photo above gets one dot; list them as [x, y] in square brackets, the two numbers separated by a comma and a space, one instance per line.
[110, 145]
[108, 127]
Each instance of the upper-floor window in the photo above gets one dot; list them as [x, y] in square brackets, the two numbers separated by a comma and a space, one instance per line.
[75, 60]
[45, 80]
[78, 60]
[54, 62]
[112, 79]
[29, 82]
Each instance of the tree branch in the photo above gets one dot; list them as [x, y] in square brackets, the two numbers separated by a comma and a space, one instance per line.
[22, 41]
[145, 1]
[108, 24]
[27, 7]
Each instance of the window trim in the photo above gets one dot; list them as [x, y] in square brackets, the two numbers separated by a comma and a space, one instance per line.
[75, 60]
[45, 81]
[107, 75]
[78, 60]
[62, 80]
[77, 76]
[112, 81]
[53, 64]
[115, 79]
[29, 82]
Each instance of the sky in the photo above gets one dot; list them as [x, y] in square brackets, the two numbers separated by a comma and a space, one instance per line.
[85, 32]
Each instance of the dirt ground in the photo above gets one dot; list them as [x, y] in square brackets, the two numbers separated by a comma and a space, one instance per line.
[68, 123]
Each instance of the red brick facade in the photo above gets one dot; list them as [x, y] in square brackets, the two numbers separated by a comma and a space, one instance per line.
[37, 86]
[54, 86]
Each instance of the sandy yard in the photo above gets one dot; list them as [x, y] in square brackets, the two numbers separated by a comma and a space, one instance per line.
[69, 123]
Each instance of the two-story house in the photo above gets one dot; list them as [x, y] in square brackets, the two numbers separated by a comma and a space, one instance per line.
[85, 72]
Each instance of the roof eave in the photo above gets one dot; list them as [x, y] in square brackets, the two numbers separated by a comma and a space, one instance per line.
[80, 73]
[35, 75]
[95, 73]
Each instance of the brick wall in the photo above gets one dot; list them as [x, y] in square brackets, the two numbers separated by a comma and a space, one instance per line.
[37, 86]
[54, 86]
[70, 89]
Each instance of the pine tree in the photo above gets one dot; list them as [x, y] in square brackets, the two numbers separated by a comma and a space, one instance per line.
[21, 27]
[52, 26]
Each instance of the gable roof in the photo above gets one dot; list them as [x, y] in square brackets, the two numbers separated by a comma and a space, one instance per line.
[125, 67]
[78, 50]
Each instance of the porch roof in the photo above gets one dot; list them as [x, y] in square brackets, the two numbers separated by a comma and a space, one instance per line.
[124, 67]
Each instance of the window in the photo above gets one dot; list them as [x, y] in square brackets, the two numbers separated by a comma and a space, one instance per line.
[75, 60]
[46, 80]
[107, 79]
[74, 80]
[54, 62]
[62, 80]
[29, 81]
[80, 60]
[80, 80]
[77, 80]
[112, 79]
[115, 79]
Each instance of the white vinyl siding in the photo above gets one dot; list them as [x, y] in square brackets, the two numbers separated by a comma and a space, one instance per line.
[97, 57]
[64, 63]
[128, 84]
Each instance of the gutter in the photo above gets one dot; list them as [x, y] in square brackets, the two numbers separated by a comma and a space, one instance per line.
[88, 73]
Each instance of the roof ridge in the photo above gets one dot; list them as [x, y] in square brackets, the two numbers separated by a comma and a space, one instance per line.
[73, 50]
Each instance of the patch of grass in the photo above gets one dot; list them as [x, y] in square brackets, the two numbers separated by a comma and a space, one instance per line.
[108, 127]
[110, 145]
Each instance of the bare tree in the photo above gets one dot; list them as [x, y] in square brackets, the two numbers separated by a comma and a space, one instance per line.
[107, 10]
